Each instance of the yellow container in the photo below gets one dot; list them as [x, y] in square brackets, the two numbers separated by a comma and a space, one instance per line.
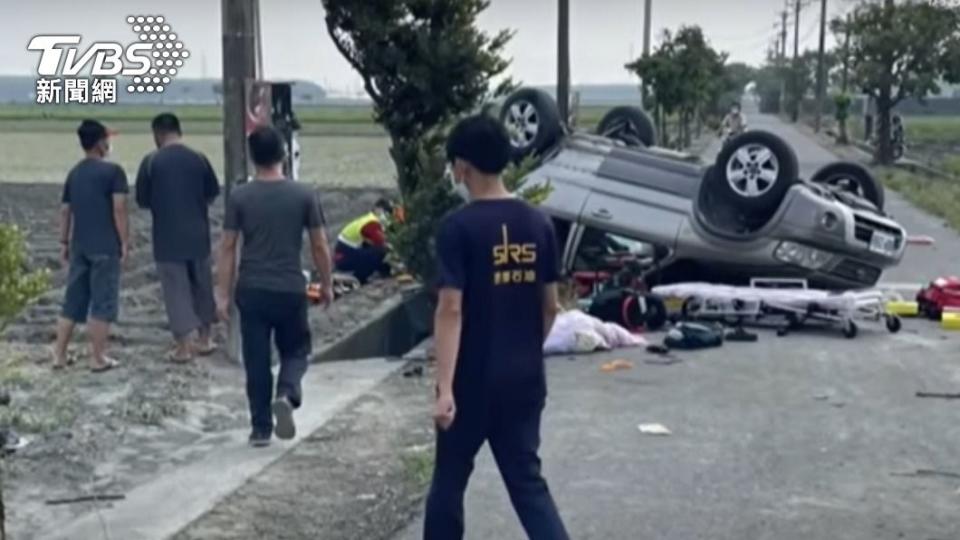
[950, 320]
[903, 308]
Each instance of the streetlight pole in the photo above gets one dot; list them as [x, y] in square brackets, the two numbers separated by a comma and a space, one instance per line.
[795, 106]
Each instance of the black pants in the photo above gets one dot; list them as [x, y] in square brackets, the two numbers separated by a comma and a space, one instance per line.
[514, 436]
[284, 317]
[362, 262]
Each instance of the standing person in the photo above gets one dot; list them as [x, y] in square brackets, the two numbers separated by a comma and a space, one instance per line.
[362, 245]
[93, 236]
[498, 272]
[177, 185]
[271, 213]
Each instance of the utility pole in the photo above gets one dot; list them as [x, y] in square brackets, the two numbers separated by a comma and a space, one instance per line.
[783, 60]
[239, 65]
[563, 61]
[647, 25]
[795, 106]
[821, 68]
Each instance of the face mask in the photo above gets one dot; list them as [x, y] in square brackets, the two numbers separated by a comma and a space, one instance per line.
[459, 188]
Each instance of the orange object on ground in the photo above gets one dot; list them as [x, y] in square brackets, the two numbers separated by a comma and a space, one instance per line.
[616, 365]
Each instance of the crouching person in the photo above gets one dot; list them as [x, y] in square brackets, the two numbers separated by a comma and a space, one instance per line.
[271, 214]
[362, 245]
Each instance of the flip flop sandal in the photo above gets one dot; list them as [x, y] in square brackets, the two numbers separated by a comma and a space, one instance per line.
[71, 360]
[206, 351]
[108, 364]
[173, 358]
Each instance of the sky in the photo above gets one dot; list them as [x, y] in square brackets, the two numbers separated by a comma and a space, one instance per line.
[605, 34]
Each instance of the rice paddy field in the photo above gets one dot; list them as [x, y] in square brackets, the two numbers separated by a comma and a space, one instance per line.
[341, 146]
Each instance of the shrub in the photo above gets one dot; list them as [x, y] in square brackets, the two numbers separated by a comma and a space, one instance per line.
[18, 286]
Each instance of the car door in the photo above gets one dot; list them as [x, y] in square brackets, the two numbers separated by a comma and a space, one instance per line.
[634, 216]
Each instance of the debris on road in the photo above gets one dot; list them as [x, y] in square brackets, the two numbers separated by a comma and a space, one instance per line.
[928, 473]
[413, 371]
[87, 498]
[654, 429]
[616, 365]
[939, 395]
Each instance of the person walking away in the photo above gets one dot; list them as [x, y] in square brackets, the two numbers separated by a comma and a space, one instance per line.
[362, 245]
[178, 185]
[94, 244]
[498, 273]
[271, 214]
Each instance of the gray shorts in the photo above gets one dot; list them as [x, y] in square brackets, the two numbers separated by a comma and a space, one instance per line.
[93, 288]
[188, 295]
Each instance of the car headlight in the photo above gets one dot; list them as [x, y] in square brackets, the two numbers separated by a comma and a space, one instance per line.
[801, 255]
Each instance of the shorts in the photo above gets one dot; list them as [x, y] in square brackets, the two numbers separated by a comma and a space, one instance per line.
[93, 288]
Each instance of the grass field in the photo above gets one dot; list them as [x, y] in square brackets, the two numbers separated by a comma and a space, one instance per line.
[341, 146]
[921, 129]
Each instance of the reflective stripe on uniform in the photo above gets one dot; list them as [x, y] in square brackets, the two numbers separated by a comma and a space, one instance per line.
[352, 234]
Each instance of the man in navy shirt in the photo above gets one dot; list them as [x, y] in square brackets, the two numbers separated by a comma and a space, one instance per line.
[94, 243]
[498, 299]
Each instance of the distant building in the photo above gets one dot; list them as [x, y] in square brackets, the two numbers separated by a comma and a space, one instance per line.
[22, 90]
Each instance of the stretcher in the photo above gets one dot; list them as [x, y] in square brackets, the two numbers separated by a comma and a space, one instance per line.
[774, 302]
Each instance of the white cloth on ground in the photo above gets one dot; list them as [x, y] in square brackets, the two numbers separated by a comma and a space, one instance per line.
[576, 332]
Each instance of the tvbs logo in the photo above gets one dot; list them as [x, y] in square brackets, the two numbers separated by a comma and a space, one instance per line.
[105, 59]
[151, 63]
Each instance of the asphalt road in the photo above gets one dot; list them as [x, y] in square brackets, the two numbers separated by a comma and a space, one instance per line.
[810, 436]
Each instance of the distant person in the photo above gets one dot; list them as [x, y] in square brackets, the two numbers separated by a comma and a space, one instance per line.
[271, 214]
[178, 184]
[735, 122]
[498, 272]
[362, 245]
[94, 240]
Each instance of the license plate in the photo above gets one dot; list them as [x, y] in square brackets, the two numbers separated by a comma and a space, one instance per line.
[883, 243]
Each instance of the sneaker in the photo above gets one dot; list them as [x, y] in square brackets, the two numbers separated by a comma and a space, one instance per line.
[284, 427]
[260, 439]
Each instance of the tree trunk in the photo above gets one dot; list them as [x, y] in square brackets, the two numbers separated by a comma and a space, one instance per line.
[842, 137]
[884, 151]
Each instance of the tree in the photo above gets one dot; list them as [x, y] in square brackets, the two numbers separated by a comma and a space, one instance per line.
[424, 64]
[685, 76]
[903, 50]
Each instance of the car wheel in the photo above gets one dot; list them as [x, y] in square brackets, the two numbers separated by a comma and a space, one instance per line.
[630, 125]
[755, 170]
[532, 120]
[656, 316]
[852, 178]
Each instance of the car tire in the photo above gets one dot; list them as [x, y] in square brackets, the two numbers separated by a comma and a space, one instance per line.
[755, 170]
[532, 119]
[630, 125]
[656, 316]
[853, 178]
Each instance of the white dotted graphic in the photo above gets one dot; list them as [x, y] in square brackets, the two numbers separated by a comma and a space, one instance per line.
[168, 51]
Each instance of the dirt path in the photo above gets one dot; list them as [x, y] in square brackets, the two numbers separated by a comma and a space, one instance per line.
[107, 433]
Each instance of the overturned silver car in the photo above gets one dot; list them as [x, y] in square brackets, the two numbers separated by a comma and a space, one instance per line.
[747, 215]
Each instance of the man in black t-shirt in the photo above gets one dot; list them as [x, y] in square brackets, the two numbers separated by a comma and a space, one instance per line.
[93, 236]
[177, 184]
[272, 213]
[498, 274]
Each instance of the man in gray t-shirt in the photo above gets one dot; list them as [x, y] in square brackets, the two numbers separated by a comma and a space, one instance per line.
[177, 184]
[271, 213]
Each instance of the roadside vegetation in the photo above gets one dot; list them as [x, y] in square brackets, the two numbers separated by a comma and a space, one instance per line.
[937, 196]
